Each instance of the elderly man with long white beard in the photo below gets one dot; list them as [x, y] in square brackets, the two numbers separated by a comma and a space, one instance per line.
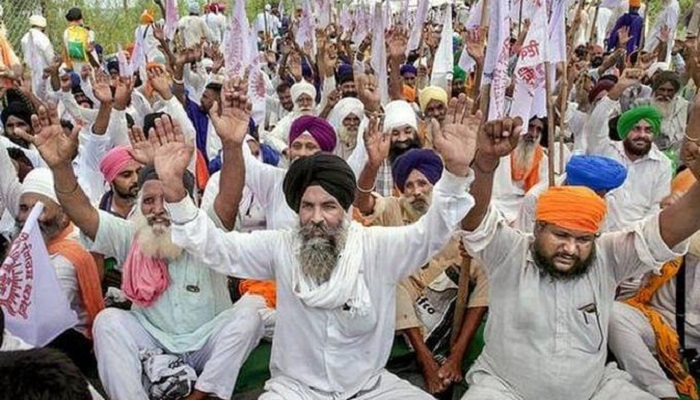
[551, 293]
[346, 118]
[304, 98]
[180, 308]
[335, 291]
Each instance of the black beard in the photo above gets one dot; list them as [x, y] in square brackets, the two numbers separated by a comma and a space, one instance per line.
[635, 151]
[398, 148]
[19, 141]
[129, 195]
[579, 269]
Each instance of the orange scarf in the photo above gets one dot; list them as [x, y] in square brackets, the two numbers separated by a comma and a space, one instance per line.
[266, 289]
[85, 271]
[667, 344]
[529, 177]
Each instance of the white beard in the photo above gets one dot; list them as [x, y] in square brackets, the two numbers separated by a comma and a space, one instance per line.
[663, 106]
[347, 137]
[155, 240]
[525, 154]
[318, 256]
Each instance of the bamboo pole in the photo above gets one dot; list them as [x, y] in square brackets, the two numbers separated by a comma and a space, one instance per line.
[477, 90]
[550, 121]
[594, 29]
[562, 114]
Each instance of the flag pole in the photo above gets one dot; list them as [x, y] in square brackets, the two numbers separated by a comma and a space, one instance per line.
[550, 121]
[594, 29]
[563, 105]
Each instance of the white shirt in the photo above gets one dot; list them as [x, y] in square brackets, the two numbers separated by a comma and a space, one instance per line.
[648, 178]
[217, 26]
[65, 272]
[540, 340]
[670, 13]
[37, 41]
[273, 23]
[327, 349]
[194, 29]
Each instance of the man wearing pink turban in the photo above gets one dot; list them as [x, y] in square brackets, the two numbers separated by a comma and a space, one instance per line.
[121, 172]
[310, 134]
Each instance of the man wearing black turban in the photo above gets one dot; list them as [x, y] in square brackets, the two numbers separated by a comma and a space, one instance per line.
[16, 116]
[328, 171]
[329, 320]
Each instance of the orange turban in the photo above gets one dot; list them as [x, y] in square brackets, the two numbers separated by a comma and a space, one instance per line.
[265, 289]
[576, 208]
[146, 18]
[682, 182]
[635, 3]
[409, 93]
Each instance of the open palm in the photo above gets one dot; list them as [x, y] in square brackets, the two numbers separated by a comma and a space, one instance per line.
[173, 153]
[54, 145]
[142, 149]
[232, 124]
[456, 141]
[377, 143]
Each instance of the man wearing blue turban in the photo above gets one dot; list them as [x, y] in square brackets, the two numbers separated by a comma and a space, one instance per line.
[435, 287]
[600, 174]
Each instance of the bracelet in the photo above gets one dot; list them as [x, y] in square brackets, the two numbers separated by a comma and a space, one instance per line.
[691, 140]
[75, 189]
[364, 191]
[178, 81]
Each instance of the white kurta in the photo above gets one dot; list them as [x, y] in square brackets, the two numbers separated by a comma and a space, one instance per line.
[328, 349]
[648, 178]
[544, 336]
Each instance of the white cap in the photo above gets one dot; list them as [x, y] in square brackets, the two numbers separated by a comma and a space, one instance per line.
[268, 7]
[40, 181]
[37, 20]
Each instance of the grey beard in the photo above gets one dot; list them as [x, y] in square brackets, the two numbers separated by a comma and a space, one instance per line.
[525, 154]
[318, 255]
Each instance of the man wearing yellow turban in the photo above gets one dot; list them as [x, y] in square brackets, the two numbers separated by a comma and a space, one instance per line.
[551, 293]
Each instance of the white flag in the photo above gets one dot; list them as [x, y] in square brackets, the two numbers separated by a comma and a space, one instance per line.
[125, 70]
[557, 33]
[418, 24]
[172, 16]
[529, 98]
[36, 309]
[378, 59]
[237, 42]
[444, 57]
[497, 57]
[257, 88]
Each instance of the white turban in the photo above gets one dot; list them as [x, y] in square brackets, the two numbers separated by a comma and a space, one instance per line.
[656, 67]
[37, 20]
[40, 181]
[345, 107]
[302, 87]
[399, 113]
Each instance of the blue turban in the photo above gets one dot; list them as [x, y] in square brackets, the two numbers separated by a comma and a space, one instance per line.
[595, 172]
[424, 160]
[408, 68]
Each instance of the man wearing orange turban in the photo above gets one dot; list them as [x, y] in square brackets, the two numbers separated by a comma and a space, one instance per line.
[551, 293]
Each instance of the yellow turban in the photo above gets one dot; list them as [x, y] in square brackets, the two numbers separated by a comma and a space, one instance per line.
[432, 93]
[577, 208]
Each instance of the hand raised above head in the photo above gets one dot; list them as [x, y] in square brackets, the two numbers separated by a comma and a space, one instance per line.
[231, 123]
[55, 146]
[456, 140]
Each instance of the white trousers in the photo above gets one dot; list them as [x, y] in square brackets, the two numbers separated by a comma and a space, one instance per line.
[633, 342]
[387, 387]
[615, 385]
[119, 338]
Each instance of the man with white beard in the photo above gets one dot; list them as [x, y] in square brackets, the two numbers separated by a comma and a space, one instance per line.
[179, 307]
[304, 98]
[524, 168]
[346, 118]
[335, 291]
[674, 110]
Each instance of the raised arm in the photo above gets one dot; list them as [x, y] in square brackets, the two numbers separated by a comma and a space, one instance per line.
[103, 93]
[496, 139]
[58, 149]
[231, 126]
[680, 220]
[397, 55]
[377, 145]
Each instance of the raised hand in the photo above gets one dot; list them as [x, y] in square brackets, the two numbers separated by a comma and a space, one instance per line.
[623, 35]
[142, 148]
[159, 81]
[232, 124]
[56, 148]
[122, 95]
[294, 66]
[664, 34]
[377, 143]
[368, 92]
[498, 138]
[101, 88]
[158, 33]
[630, 77]
[172, 152]
[456, 141]
[66, 83]
[86, 72]
[397, 44]
[475, 44]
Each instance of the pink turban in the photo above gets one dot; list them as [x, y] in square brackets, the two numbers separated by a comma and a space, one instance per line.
[318, 128]
[114, 162]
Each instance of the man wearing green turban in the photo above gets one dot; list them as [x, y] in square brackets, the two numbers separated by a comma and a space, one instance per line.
[459, 78]
[637, 128]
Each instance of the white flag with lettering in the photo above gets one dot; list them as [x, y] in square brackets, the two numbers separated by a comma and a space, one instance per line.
[36, 309]
[497, 57]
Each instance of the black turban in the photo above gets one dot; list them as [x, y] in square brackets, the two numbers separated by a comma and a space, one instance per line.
[16, 109]
[148, 173]
[330, 172]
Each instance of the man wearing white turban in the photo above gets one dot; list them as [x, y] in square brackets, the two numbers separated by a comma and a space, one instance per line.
[304, 97]
[346, 118]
